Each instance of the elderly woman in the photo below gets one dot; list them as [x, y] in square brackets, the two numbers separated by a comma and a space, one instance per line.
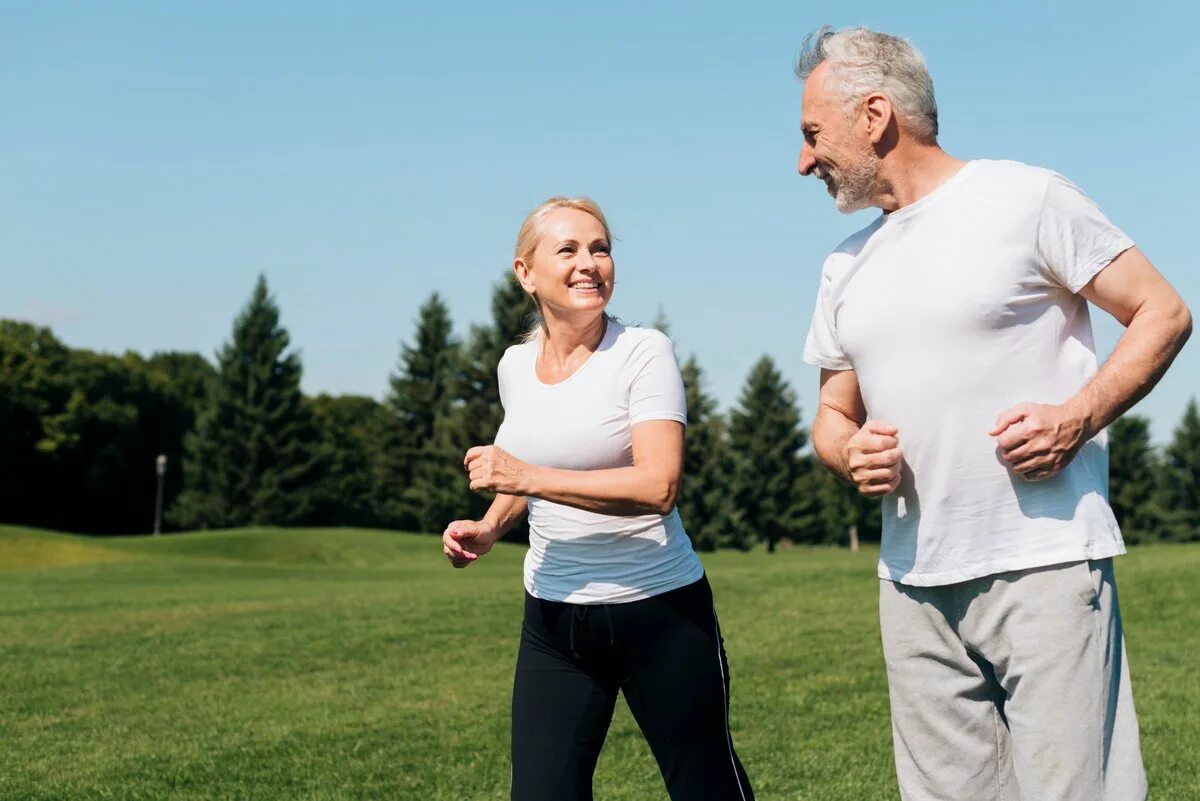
[591, 448]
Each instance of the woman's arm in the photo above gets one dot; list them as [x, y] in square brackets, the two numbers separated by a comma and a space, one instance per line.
[650, 486]
[464, 541]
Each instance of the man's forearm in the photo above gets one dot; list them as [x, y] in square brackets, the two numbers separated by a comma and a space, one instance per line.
[831, 431]
[1150, 343]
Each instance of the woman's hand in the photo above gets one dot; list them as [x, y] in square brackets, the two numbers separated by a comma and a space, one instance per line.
[491, 468]
[464, 541]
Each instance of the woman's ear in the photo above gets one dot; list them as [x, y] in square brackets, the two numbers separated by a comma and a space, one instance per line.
[524, 275]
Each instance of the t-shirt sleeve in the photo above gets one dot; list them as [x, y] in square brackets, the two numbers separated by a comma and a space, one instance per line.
[821, 347]
[656, 387]
[502, 436]
[1075, 241]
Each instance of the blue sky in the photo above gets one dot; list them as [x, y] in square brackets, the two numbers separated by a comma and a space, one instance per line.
[155, 157]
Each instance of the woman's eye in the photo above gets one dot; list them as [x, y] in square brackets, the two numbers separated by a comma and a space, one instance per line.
[565, 251]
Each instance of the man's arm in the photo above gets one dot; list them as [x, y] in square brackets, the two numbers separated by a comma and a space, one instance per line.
[1039, 440]
[862, 452]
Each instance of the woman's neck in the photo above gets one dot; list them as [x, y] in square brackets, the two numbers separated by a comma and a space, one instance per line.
[564, 340]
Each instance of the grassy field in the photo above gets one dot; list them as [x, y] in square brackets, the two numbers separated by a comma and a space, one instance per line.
[356, 665]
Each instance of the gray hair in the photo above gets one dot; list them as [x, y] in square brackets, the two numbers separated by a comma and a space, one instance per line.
[863, 61]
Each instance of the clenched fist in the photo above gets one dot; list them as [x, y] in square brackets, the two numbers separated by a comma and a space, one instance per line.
[873, 458]
[1037, 440]
[497, 470]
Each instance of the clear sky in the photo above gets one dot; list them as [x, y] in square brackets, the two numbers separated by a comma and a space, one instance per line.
[154, 157]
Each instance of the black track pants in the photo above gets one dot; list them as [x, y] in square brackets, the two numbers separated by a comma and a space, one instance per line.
[665, 654]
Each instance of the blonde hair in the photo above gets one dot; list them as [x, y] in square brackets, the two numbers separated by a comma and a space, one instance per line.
[531, 233]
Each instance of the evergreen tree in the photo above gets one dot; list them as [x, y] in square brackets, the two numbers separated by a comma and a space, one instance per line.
[834, 507]
[478, 389]
[478, 414]
[1133, 470]
[348, 425]
[705, 499]
[420, 400]
[252, 458]
[1180, 479]
[766, 438]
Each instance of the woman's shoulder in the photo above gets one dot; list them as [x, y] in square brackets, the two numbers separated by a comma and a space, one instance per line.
[520, 353]
[635, 338]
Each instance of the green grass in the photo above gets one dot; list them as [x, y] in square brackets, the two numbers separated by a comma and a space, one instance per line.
[355, 664]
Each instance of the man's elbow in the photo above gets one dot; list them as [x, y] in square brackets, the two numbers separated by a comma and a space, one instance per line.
[1183, 322]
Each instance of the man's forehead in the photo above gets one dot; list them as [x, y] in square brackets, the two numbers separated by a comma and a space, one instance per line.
[815, 98]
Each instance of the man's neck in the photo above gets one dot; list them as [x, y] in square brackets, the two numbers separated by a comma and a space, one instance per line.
[912, 172]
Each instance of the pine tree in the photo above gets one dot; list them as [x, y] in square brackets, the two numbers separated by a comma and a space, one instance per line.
[1133, 469]
[1180, 479]
[478, 413]
[766, 438]
[478, 388]
[252, 458]
[412, 461]
[705, 499]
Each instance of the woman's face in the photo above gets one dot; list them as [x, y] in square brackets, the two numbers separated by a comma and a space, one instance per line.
[571, 270]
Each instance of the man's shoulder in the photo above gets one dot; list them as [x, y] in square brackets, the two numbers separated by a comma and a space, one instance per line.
[1016, 174]
[853, 245]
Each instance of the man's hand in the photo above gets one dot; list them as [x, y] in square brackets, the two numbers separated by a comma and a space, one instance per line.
[1037, 440]
[491, 468]
[464, 541]
[873, 458]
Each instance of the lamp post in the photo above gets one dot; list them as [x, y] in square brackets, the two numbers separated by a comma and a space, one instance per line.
[160, 467]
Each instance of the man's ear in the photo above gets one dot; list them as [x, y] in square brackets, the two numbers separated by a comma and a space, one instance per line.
[879, 113]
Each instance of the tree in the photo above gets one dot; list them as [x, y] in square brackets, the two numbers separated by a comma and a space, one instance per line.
[833, 508]
[478, 389]
[347, 425]
[253, 458]
[477, 415]
[416, 457]
[705, 500]
[1180, 479]
[32, 384]
[766, 438]
[1133, 469]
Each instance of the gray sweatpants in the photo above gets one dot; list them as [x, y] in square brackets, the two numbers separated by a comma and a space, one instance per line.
[1012, 687]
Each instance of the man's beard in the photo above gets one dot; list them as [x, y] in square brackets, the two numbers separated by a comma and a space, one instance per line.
[852, 187]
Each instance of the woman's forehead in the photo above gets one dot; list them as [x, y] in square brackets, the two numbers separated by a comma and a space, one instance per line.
[567, 223]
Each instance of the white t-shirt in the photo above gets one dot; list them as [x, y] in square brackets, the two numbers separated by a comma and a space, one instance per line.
[584, 423]
[950, 311]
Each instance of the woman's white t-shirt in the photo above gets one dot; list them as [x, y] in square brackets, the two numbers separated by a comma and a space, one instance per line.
[584, 423]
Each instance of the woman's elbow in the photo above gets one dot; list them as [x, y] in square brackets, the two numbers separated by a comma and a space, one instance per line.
[666, 495]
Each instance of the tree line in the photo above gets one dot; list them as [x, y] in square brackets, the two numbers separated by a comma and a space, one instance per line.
[79, 433]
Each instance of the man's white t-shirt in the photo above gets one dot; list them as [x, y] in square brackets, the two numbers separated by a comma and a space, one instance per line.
[584, 423]
[950, 311]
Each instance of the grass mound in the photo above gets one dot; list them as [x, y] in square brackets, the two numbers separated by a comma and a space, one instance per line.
[32, 548]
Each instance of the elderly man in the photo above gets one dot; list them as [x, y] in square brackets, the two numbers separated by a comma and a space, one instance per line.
[959, 383]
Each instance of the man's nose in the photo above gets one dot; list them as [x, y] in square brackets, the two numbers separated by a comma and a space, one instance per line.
[807, 162]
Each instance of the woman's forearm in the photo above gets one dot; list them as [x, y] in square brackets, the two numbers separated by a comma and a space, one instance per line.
[625, 491]
[505, 512]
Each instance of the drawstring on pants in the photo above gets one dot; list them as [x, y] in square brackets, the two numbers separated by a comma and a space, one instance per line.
[582, 612]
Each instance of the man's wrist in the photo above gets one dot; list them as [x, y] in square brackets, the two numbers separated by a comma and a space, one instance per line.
[1083, 418]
